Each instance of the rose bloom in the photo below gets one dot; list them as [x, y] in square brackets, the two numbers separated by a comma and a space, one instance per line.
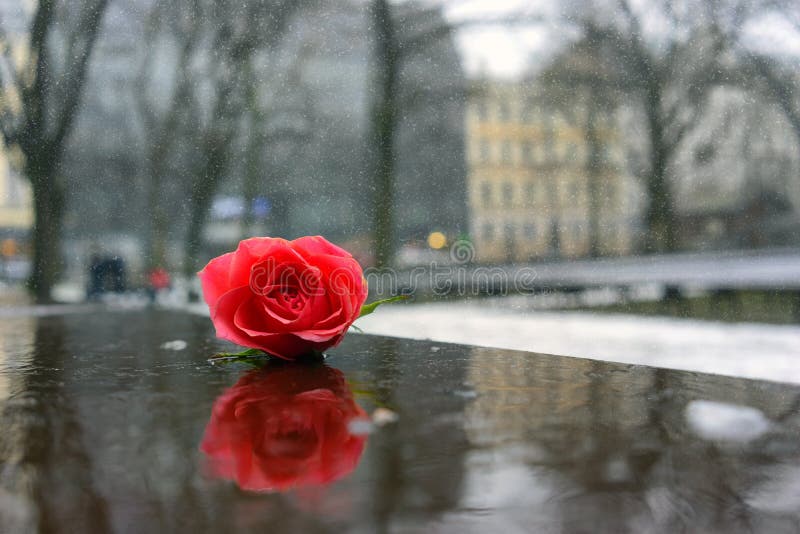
[284, 427]
[287, 298]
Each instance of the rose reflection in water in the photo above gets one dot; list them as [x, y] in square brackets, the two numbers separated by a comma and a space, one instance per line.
[285, 426]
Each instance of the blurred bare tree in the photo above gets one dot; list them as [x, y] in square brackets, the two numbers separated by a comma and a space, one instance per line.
[161, 119]
[237, 33]
[397, 36]
[40, 99]
[671, 72]
[778, 80]
[282, 117]
[592, 76]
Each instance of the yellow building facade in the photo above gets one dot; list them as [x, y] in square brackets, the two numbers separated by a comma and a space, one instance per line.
[16, 207]
[16, 199]
[532, 193]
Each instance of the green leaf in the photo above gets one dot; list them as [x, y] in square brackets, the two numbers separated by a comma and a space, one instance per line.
[249, 356]
[366, 309]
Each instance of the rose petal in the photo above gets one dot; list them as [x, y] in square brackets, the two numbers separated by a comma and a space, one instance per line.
[280, 271]
[214, 278]
[310, 246]
[345, 280]
[224, 312]
[253, 319]
[279, 312]
[316, 308]
[319, 336]
[335, 317]
[252, 251]
[316, 395]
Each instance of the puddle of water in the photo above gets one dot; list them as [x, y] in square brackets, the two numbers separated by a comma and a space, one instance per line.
[105, 430]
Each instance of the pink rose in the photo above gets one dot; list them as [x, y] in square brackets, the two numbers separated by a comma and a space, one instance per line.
[287, 298]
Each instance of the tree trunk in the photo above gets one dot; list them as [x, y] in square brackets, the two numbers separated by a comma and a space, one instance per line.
[782, 90]
[48, 205]
[43, 146]
[194, 233]
[659, 216]
[251, 180]
[200, 202]
[383, 119]
[594, 173]
[161, 144]
[255, 144]
[660, 220]
[157, 230]
[46, 463]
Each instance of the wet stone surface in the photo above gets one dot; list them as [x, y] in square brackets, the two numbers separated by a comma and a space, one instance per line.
[106, 427]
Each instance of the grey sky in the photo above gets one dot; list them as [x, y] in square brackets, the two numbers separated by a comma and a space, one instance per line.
[508, 52]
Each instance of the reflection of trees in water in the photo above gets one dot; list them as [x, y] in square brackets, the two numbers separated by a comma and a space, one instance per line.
[46, 471]
[144, 416]
[615, 446]
[108, 429]
[17, 337]
[417, 463]
[139, 412]
[102, 433]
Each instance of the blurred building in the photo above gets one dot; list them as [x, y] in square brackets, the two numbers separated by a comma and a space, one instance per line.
[320, 186]
[313, 95]
[16, 207]
[594, 435]
[541, 182]
[737, 178]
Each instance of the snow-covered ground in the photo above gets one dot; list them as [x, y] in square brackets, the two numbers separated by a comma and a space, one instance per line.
[750, 350]
[769, 352]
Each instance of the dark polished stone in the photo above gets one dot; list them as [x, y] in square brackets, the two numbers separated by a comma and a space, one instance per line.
[101, 429]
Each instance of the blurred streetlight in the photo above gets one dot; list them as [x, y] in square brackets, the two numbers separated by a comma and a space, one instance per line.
[437, 240]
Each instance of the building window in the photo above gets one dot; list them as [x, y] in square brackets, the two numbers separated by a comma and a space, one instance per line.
[509, 232]
[572, 152]
[553, 193]
[508, 194]
[486, 193]
[574, 189]
[549, 143]
[505, 113]
[530, 231]
[527, 149]
[539, 155]
[530, 192]
[481, 111]
[527, 113]
[488, 231]
[486, 151]
[506, 152]
[611, 192]
[532, 110]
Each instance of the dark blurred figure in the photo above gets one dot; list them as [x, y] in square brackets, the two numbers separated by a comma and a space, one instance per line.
[105, 275]
[158, 280]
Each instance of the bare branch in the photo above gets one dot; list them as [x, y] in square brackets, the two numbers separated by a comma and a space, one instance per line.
[33, 89]
[782, 87]
[181, 86]
[9, 78]
[89, 27]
